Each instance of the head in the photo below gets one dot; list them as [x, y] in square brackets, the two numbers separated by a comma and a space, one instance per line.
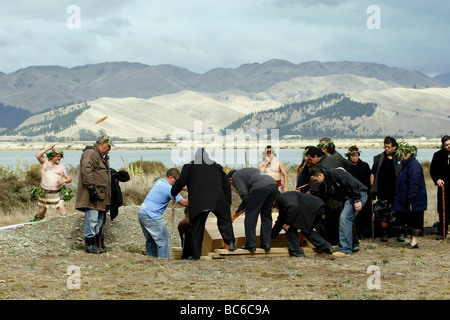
[313, 156]
[353, 154]
[269, 150]
[104, 144]
[405, 151]
[316, 174]
[327, 146]
[230, 176]
[390, 145]
[172, 175]
[446, 143]
[55, 155]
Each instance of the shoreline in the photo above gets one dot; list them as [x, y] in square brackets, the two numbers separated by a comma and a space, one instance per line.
[421, 143]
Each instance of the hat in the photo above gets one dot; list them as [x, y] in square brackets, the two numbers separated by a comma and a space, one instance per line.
[106, 139]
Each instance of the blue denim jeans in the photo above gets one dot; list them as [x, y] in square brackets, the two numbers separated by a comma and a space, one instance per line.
[93, 221]
[348, 215]
[157, 236]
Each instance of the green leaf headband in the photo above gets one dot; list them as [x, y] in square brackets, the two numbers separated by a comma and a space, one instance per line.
[52, 153]
[404, 148]
[324, 144]
[352, 152]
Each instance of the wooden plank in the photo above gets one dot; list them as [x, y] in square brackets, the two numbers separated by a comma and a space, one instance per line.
[213, 240]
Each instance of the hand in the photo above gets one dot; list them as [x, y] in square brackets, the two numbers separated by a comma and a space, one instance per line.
[358, 206]
[93, 196]
[285, 227]
[440, 183]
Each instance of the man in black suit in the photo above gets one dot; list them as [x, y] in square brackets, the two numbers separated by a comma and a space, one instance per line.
[208, 191]
[301, 211]
[440, 173]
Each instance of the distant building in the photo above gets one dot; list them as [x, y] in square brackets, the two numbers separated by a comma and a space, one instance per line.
[291, 136]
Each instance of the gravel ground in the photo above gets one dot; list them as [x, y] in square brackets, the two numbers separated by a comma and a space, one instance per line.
[36, 261]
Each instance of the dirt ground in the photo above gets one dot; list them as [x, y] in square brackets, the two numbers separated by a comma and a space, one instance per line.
[46, 261]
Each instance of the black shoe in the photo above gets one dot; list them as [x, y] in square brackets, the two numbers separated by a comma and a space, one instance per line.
[330, 250]
[193, 258]
[410, 246]
[251, 249]
[91, 246]
[355, 249]
[266, 247]
[401, 238]
[384, 237]
[231, 246]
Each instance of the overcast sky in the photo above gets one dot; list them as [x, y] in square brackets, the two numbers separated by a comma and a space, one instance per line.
[201, 35]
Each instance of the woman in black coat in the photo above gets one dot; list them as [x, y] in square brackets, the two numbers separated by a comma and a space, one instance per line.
[440, 173]
[208, 190]
[410, 193]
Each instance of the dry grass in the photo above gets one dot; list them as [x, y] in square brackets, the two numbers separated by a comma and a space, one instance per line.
[18, 206]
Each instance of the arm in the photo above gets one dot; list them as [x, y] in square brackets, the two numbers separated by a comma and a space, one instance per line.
[285, 176]
[41, 153]
[181, 181]
[184, 202]
[66, 177]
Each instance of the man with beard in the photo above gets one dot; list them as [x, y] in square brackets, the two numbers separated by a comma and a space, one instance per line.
[54, 175]
[385, 170]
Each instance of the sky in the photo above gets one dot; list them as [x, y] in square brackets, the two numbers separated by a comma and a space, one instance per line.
[201, 35]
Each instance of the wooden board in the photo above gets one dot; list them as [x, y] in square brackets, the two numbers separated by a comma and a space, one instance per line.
[212, 239]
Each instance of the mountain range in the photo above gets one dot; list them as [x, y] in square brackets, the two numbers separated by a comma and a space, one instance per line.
[147, 102]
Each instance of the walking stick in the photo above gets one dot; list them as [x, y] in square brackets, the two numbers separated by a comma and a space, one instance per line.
[173, 223]
[373, 218]
[305, 185]
[444, 224]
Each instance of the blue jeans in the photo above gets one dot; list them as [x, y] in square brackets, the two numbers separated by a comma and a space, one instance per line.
[157, 236]
[93, 221]
[348, 215]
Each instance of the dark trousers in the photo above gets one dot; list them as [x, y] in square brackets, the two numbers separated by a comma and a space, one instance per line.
[312, 236]
[198, 229]
[260, 201]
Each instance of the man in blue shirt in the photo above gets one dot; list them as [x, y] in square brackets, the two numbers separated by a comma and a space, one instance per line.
[150, 215]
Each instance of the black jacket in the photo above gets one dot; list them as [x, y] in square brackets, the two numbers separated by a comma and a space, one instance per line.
[208, 187]
[299, 210]
[440, 169]
[116, 192]
[340, 185]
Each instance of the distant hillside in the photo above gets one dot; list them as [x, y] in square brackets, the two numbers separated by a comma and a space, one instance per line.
[48, 123]
[41, 87]
[339, 105]
[10, 116]
[332, 115]
[444, 78]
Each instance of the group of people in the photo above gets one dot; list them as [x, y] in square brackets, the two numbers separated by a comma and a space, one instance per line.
[332, 202]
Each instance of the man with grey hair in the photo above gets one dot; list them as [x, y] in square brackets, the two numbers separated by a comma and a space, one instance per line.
[94, 190]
